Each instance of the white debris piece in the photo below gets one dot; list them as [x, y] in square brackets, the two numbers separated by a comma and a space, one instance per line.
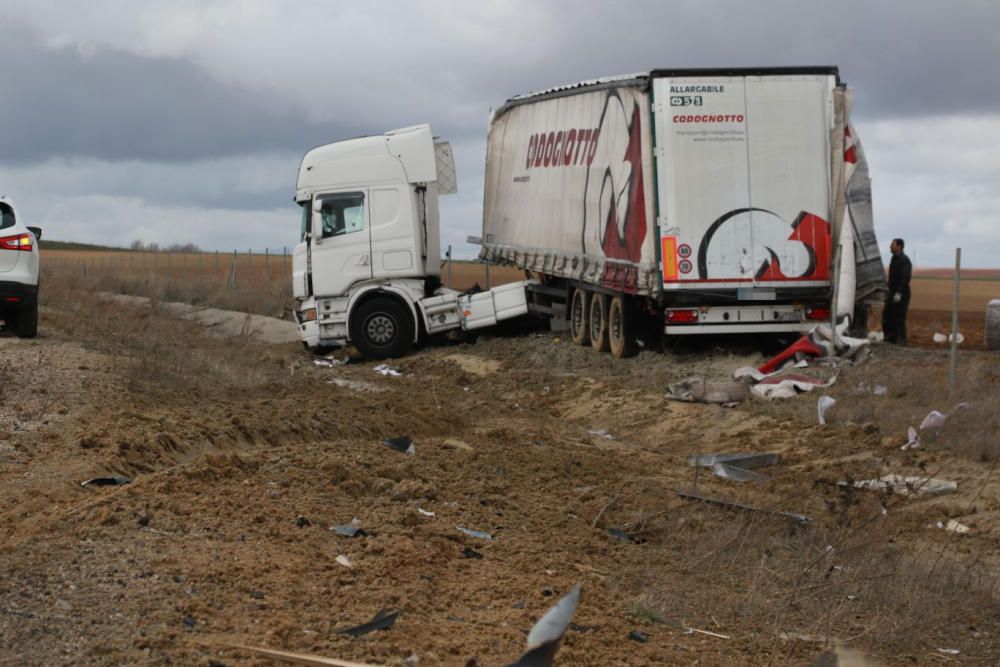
[912, 439]
[386, 369]
[822, 405]
[941, 338]
[425, 512]
[345, 561]
[933, 420]
[953, 526]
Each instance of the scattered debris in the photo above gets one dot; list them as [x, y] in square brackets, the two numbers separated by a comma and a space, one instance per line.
[601, 433]
[739, 460]
[383, 620]
[547, 633]
[734, 474]
[942, 338]
[189, 622]
[330, 362]
[933, 420]
[954, 527]
[925, 486]
[117, 480]
[822, 405]
[803, 637]
[912, 439]
[789, 386]
[690, 631]
[403, 443]
[698, 390]
[638, 636]
[345, 561]
[471, 553]
[478, 534]
[351, 529]
[800, 519]
[426, 513]
[454, 443]
[386, 369]
[302, 522]
[296, 658]
[734, 467]
[622, 536]
[949, 651]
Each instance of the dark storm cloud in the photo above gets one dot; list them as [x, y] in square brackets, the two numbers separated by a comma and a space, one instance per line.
[114, 105]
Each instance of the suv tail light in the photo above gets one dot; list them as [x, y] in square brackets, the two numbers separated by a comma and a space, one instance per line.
[820, 313]
[17, 242]
[686, 316]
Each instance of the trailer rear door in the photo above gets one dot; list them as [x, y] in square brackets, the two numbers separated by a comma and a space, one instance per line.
[743, 179]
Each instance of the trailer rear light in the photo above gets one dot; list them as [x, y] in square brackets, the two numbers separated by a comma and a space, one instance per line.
[308, 315]
[819, 313]
[17, 242]
[13, 299]
[687, 316]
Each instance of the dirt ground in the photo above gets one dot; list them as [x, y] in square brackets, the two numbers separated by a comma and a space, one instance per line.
[243, 456]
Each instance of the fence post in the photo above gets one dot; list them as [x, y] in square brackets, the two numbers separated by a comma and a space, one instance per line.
[250, 267]
[267, 266]
[952, 372]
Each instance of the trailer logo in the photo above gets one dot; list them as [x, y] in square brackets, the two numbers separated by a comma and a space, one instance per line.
[804, 254]
[614, 198]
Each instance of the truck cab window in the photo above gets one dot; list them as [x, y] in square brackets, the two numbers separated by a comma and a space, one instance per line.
[306, 220]
[342, 213]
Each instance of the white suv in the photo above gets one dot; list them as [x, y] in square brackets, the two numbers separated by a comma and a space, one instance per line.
[18, 272]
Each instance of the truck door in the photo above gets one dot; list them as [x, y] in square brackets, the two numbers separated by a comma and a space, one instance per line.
[341, 241]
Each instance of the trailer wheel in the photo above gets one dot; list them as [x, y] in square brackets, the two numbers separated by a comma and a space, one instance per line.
[621, 337]
[599, 322]
[381, 328]
[579, 311]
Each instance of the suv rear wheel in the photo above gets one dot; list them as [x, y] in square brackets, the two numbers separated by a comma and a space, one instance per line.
[26, 322]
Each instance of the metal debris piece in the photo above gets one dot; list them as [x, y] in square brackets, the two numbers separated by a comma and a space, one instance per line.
[734, 474]
[383, 620]
[547, 633]
[691, 631]
[426, 513]
[953, 526]
[403, 444]
[912, 439]
[351, 529]
[386, 369]
[601, 433]
[478, 534]
[638, 636]
[800, 519]
[345, 561]
[117, 480]
[698, 390]
[623, 536]
[739, 460]
[471, 553]
[925, 486]
[933, 420]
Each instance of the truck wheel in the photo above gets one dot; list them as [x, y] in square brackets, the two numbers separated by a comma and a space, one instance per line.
[26, 322]
[621, 337]
[579, 311]
[599, 322]
[381, 328]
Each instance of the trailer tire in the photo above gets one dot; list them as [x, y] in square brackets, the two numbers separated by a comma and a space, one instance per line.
[621, 337]
[579, 313]
[599, 322]
[381, 328]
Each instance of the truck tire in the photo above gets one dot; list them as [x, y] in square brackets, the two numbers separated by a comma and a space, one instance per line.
[599, 322]
[381, 328]
[621, 337]
[26, 322]
[579, 312]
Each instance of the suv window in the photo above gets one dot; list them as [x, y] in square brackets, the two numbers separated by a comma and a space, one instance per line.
[342, 213]
[6, 216]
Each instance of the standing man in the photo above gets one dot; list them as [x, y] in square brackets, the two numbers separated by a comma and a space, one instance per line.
[898, 301]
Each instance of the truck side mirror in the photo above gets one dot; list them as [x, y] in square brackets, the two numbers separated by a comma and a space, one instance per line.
[37, 231]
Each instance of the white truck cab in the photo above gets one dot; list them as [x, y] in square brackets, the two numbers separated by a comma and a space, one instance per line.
[367, 268]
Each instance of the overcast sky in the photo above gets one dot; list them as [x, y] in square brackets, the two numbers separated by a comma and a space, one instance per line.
[180, 121]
